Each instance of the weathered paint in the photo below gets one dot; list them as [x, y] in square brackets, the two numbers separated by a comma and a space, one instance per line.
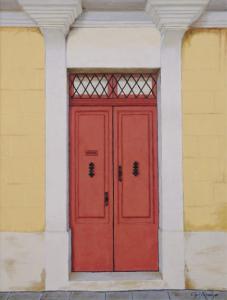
[205, 260]
[21, 130]
[205, 129]
[22, 261]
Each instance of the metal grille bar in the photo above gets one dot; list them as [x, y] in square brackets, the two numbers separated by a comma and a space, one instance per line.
[113, 86]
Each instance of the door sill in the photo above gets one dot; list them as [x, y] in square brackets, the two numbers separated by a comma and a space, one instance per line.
[115, 281]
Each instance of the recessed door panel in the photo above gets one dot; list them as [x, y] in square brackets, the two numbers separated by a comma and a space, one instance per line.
[135, 215]
[91, 189]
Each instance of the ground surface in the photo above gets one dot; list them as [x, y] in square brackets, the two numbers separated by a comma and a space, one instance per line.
[141, 295]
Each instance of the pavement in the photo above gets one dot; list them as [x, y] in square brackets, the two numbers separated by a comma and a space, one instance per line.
[135, 295]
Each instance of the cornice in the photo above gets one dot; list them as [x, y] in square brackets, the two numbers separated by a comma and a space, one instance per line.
[114, 19]
[175, 14]
[16, 19]
[212, 19]
[52, 14]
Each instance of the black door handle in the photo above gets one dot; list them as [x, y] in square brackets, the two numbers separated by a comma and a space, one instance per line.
[120, 173]
[106, 198]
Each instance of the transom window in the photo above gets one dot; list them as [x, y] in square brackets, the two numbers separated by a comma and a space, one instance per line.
[114, 86]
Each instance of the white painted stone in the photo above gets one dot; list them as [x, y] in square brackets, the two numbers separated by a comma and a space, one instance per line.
[57, 259]
[113, 48]
[21, 261]
[56, 132]
[170, 134]
[171, 239]
[115, 281]
[206, 260]
[172, 259]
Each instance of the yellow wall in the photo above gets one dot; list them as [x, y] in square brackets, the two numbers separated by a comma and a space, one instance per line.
[21, 130]
[205, 129]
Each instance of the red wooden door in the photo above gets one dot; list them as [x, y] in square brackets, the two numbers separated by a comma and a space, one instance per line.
[90, 180]
[119, 235]
[135, 192]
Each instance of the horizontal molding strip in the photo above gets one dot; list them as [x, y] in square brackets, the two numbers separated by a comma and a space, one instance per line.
[211, 19]
[16, 19]
[114, 19]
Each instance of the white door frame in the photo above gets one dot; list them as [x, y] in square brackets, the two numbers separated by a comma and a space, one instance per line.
[171, 230]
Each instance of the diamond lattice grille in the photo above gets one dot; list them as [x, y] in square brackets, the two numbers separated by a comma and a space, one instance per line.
[87, 86]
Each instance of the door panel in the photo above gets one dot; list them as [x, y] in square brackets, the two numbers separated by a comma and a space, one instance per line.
[90, 178]
[126, 240]
[135, 208]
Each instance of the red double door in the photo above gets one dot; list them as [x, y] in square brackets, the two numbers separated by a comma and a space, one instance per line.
[113, 188]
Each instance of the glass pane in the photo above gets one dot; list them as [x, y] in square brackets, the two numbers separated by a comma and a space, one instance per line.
[92, 85]
[135, 85]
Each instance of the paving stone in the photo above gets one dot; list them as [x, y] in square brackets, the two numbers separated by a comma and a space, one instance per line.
[24, 296]
[3, 296]
[197, 295]
[87, 296]
[150, 295]
[185, 295]
[55, 296]
[119, 296]
[215, 295]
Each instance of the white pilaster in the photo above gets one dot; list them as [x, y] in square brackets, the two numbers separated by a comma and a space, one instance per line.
[170, 133]
[172, 18]
[171, 231]
[54, 17]
[57, 236]
[56, 131]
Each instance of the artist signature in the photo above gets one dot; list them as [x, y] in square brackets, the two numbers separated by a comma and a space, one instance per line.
[204, 295]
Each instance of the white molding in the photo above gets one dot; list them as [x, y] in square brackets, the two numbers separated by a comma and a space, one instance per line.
[113, 19]
[212, 19]
[15, 19]
[175, 14]
[97, 19]
[53, 14]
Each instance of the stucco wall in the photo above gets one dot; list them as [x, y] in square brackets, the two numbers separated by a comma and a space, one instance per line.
[113, 48]
[204, 86]
[21, 130]
[204, 73]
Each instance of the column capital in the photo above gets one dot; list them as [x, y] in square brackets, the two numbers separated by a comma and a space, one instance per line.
[175, 14]
[52, 14]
